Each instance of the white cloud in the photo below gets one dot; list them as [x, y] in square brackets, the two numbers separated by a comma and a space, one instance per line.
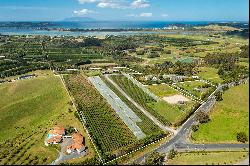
[146, 14]
[110, 4]
[140, 4]
[83, 12]
[87, 1]
[164, 15]
[118, 4]
[141, 15]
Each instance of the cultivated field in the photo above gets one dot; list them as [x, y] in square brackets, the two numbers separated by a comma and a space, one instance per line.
[231, 115]
[28, 109]
[166, 113]
[198, 89]
[162, 90]
[210, 74]
[208, 158]
[108, 131]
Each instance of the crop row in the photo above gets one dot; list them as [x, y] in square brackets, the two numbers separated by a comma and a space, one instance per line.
[138, 95]
[106, 128]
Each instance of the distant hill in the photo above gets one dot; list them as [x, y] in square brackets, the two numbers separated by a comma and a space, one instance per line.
[79, 19]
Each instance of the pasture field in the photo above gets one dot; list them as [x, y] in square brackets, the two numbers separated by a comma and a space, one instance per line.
[162, 90]
[197, 88]
[208, 158]
[108, 131]
[28, 109]
[227, 117]
[210, 74]
[166, 113]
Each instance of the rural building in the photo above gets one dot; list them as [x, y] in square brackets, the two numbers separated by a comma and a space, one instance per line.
[78, 144]
[26, 77]
[174, 78]
[55, 136]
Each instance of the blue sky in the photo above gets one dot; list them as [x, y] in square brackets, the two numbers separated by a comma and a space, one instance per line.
[160, 10]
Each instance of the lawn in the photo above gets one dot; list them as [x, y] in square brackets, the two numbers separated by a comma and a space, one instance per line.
[227, 118]
[208, 158]
[210, 74]
[28, 109]
[196, 88]
[162, 90]
[174, 113]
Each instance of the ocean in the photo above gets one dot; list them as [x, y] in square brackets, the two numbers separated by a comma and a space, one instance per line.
[12, 30]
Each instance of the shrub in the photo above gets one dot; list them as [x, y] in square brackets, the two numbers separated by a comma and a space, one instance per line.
[202, 117]
[195, 128]
[218, 96]
[154, 158]
[172, 153]
[242, 137]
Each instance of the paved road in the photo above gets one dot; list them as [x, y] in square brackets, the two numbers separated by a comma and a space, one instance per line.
[184, 129]
[158, 123]
[177, 139]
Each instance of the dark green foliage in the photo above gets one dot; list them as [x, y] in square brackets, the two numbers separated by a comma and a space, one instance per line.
[242, 137]
[172, 153]
[154, 158]
[202, 117]
[153, 54]
[69, 130]
[195, 128]
[218, 96]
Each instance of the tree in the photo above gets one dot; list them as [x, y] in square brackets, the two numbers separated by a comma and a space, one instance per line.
[195, 128]
[242, 137]
[154, 158]
[202, 117]
[172, 153]
[218, 96]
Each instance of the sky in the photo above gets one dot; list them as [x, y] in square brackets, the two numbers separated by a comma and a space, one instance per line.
[151, 10]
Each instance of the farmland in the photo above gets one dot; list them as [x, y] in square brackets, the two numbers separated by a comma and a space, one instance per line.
[146, 124]
[198, 89]
[210, 74]
[231, 115]
[108, 131]
[166, 113]
[208, 158]
[162, 90]
[28, 109]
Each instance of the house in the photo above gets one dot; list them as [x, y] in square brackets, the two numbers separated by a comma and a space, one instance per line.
[55, 136]
[195, 77]
[78, 144]
[148, 77]
[26, 77]
[174, 78]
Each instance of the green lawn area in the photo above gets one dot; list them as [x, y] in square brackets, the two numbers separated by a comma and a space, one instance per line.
[174, 113]
[210, 74]
[227, 118]
[162, 90]
[208, 158]
[190, 87]
[244, 64]
[28, 109]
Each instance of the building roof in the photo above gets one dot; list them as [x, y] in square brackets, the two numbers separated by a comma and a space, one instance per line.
[57, 131]
[55, 139]
[78, 143]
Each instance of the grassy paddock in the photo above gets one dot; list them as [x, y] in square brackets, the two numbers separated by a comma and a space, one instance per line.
[28, 109]
[208, 158]
[227, 118]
